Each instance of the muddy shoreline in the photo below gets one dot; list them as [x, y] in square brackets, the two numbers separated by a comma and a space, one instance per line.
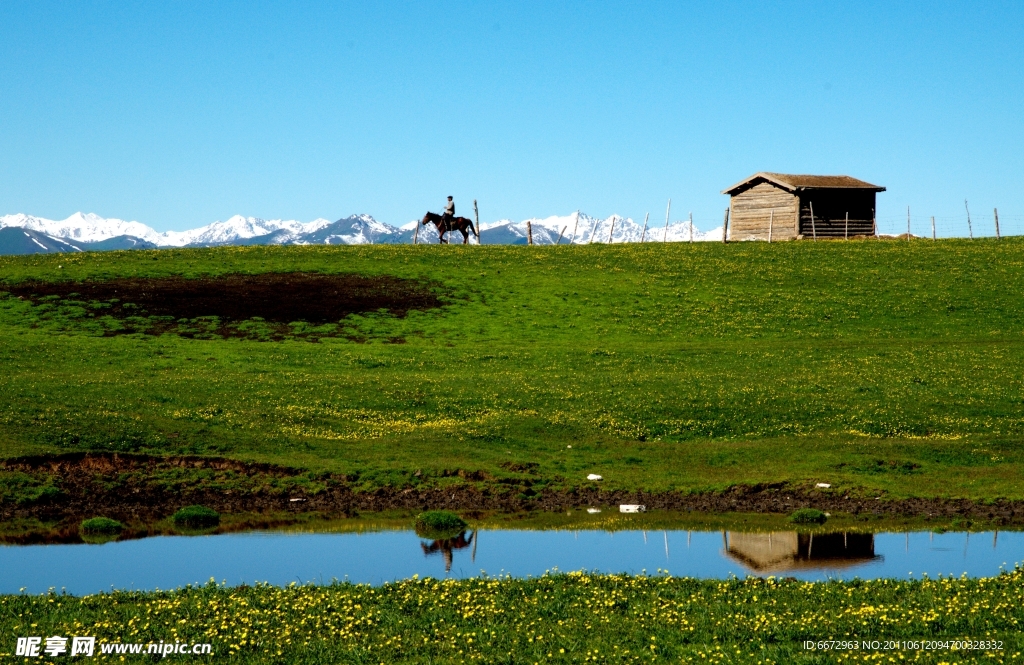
[121, 487]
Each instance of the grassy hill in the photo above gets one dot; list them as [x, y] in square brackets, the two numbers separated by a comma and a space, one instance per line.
[875, 366]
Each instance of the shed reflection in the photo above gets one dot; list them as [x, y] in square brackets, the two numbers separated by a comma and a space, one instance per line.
[779, 552]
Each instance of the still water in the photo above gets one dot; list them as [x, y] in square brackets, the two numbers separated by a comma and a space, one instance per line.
[279, 558]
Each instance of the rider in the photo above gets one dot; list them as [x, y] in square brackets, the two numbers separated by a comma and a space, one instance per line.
[449, 213]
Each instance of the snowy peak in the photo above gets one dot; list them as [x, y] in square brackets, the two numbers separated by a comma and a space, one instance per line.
[84, 227]
[240, 228]
[355, 230]
[91, 228]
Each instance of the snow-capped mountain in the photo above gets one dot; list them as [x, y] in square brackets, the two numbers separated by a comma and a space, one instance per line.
[82, 232]
[26, 241]
[82, 227]
[355, 230]
[241, 228]
[91, 228]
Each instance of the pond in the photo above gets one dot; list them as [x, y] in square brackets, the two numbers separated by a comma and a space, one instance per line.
[167, 562]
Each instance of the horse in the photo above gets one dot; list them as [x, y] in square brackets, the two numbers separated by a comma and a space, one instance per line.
[455, 224]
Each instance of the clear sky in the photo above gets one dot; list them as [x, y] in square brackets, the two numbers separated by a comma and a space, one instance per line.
[177, 114]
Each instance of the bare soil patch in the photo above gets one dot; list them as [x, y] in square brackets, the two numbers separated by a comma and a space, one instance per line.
[176, 304]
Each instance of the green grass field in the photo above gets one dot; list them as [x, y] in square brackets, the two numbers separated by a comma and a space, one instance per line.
[876, 366]
[572, 618]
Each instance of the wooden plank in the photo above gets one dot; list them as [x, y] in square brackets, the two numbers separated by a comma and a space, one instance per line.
[668, 209]
[476, 224]
[753, 212]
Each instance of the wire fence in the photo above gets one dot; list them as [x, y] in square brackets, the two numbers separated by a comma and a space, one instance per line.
[989, 224]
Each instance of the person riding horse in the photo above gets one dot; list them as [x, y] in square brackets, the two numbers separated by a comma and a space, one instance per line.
[448, 222]
[449, 213]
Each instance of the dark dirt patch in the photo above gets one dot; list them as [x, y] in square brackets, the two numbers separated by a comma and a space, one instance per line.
[216, 305]
[133, 489]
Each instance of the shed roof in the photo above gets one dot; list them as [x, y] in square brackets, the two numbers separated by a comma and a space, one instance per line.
[795, 183]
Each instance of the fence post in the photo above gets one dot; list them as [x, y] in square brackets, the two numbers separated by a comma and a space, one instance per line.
[933, 228]
[771, 223]
[562, 233]
[611, 232]
[416, 233]
[476, 223]
[996, 212]
[814, 229]
[644, 232]
[665, 239]
[529, 232]
[575, 226]
[691, 227]
[846, 233]
[969, 229]
[908, 223]
[725, 227]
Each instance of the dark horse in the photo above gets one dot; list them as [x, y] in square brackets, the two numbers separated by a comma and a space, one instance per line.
[455, 224]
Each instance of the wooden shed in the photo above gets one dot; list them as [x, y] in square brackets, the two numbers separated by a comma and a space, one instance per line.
[782, 204]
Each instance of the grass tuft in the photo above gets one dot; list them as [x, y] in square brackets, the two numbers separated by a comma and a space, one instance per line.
[101, 525]
[439, 524]
[808, 516]
[196, 517]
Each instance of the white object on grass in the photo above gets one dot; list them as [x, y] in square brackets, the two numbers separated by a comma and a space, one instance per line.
[632, 508]
[824, 485]
[594, 476]
[593, 511]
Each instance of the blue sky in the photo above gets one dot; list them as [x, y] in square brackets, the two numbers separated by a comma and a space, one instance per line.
[177, 114]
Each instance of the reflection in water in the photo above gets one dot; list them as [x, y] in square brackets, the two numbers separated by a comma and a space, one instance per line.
[447, 545]
[789, 550]
[167, 562]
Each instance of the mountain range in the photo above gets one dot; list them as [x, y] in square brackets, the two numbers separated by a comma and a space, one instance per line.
[25, 234]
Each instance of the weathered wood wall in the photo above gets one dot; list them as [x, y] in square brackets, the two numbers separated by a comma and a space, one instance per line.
[751, 213]
[830, 209]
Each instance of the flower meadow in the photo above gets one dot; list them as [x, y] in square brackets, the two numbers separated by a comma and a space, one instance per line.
[557, 618]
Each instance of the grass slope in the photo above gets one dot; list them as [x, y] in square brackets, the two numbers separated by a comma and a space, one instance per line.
[876, 366]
